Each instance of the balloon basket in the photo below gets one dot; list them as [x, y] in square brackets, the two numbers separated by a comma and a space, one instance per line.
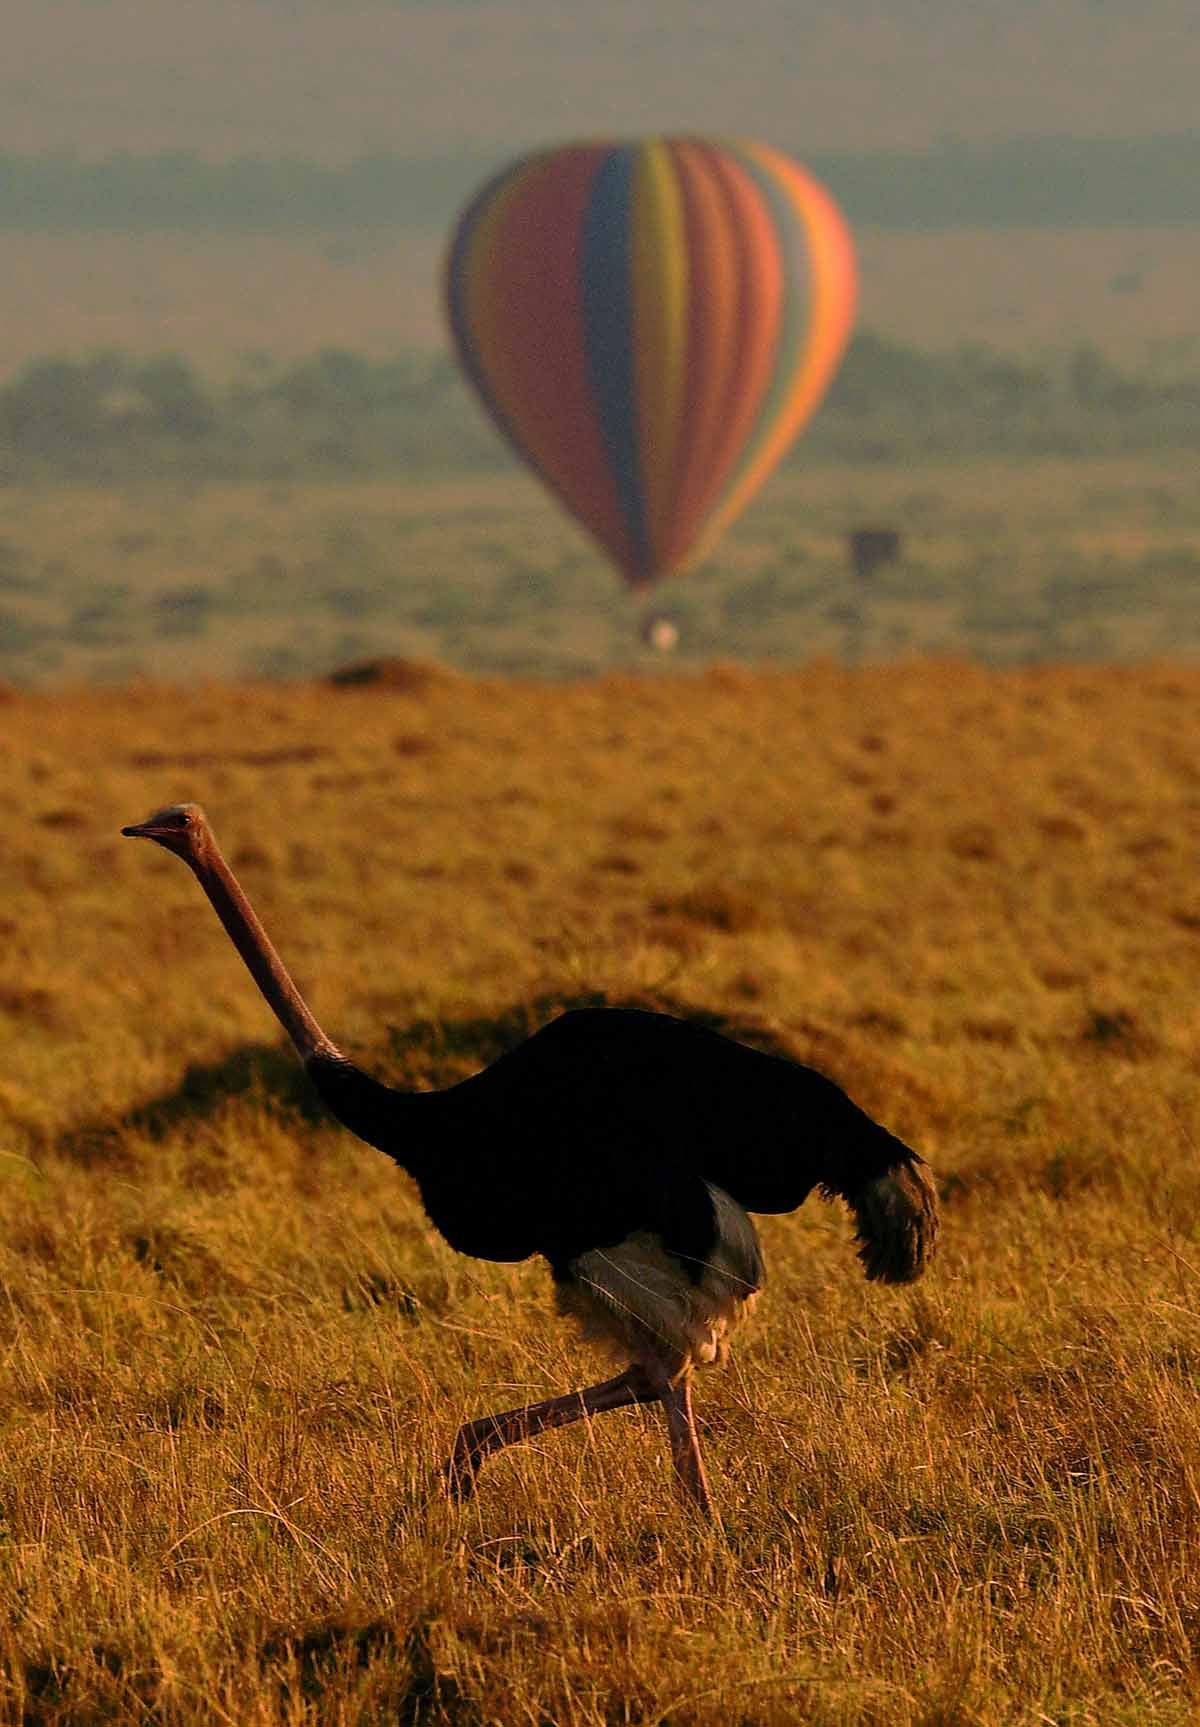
[660, 632]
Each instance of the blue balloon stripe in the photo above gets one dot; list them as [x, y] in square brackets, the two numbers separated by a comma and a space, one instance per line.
[606, 265]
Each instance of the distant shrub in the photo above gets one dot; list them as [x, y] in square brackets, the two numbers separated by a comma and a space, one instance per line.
[113, 416]
[410, 676]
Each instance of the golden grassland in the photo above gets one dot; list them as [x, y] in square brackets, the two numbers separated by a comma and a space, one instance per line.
[233, 1353]
[220, 297]
[1004, 559]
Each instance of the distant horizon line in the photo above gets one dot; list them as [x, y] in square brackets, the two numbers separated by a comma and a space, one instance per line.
[1030, 179]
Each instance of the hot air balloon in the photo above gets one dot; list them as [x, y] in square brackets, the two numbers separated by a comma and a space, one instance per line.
[650, 325]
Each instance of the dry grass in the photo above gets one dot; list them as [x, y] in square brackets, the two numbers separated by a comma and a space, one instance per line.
[232, 1353]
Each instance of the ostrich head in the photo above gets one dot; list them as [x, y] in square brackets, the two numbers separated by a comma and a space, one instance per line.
[184, 830]
[181, 828]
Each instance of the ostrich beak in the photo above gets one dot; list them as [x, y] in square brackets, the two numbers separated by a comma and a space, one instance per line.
[140, 831]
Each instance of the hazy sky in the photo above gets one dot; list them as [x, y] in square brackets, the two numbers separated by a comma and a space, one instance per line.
[334, 78]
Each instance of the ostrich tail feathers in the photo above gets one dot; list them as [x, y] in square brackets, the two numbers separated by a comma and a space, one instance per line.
[897, 1217]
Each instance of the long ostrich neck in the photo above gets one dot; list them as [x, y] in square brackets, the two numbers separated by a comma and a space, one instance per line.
[254, 945]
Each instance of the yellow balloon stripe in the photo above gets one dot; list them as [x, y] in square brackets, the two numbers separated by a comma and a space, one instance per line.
[660, 295]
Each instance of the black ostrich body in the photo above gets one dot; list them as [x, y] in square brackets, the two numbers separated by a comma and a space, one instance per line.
[608, 1121]
[624, 1146]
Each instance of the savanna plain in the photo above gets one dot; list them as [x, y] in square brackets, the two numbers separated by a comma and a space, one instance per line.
[1008, 559]
[234, 1353]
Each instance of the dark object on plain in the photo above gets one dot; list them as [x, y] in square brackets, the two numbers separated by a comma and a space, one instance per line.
[870, 548]
[411, 677]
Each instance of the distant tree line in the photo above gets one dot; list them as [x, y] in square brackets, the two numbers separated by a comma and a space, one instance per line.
[113, 417]
[1024, 182]
[1058, 182]
[181, 193]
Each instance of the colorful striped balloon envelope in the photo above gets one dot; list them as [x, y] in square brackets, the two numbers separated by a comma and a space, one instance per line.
[650, 325]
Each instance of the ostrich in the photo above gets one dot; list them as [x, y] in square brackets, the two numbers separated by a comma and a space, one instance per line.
[625, 1147]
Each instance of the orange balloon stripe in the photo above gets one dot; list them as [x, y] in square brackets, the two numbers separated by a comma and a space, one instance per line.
[833, 286]
[759, 315]
[524, 300]
[795, 330]
[712, 337]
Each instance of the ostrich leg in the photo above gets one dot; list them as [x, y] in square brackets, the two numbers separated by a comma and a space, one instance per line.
[478, 1439]
[685, 1445]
